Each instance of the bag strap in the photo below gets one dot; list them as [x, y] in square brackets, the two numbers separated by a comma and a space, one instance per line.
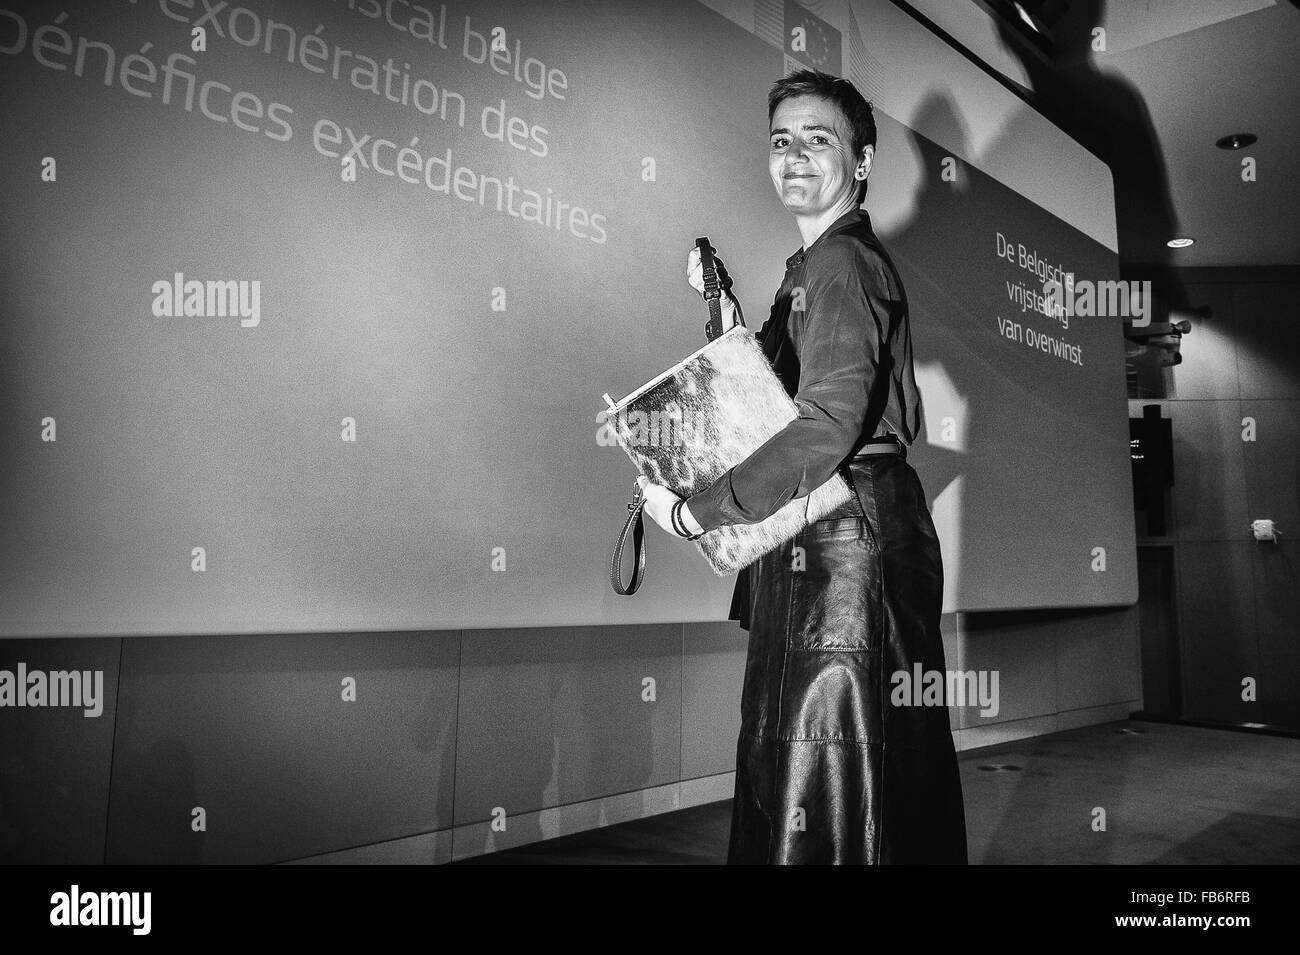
[712, 288]
[634, 525]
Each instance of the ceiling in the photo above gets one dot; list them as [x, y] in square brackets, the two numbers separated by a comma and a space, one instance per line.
[1176, 76]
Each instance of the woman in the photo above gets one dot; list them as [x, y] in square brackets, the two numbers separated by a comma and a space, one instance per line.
[828, 770]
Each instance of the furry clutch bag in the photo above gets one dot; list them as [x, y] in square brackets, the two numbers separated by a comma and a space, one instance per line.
[686, 427]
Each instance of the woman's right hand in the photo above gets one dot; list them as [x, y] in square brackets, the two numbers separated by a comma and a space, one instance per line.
[695, 276]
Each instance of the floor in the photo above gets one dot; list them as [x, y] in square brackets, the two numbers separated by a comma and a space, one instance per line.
[1168, 794]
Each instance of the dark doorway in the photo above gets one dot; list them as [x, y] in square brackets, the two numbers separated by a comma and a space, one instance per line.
[1161, 661]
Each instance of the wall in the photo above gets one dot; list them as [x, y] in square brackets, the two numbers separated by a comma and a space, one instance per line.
[553, 726]
[1237, 606]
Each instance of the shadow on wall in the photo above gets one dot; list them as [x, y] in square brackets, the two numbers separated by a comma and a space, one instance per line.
[1108, 116]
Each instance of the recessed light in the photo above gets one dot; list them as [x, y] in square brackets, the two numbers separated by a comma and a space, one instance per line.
[1237, 141]
[1181, 242]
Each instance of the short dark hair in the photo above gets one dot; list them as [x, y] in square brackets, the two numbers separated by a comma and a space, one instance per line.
[855, 107]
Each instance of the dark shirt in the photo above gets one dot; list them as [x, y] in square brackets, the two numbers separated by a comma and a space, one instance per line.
[845, 359]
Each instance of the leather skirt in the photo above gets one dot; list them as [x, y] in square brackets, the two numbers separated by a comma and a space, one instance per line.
[827, 769]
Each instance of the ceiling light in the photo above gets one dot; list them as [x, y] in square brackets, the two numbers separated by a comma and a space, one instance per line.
[1237, 141]
[1181, 242]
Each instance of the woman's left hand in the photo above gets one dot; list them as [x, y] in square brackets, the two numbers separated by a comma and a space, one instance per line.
[659, 503]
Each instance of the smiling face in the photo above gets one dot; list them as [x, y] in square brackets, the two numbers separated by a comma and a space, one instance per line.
[811, 159]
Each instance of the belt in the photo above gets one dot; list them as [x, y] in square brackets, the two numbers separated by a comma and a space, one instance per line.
[881, 444]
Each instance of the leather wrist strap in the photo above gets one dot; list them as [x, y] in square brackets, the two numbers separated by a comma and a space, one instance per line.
[634, 524]
[712, 288]
[636, 527]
